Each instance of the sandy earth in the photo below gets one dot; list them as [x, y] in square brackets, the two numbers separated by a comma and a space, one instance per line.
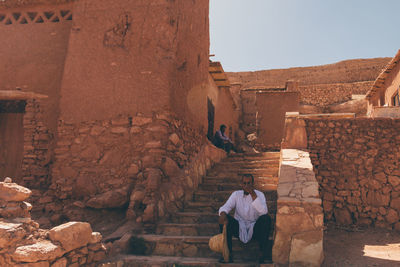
[359, 247]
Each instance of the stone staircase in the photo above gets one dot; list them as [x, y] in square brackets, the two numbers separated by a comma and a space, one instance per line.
[183, 240]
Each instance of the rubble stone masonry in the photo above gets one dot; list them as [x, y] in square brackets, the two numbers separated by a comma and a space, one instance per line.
[23, 243]
[357, 165]
[37, 142]
[327, 94]
[129, 161]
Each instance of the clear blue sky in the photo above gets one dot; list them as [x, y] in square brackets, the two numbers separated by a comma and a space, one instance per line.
[269, 34]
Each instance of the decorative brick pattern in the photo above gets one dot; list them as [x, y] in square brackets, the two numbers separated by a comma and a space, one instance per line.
[52, 16]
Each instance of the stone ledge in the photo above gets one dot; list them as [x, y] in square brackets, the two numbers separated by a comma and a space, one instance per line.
[299, 218]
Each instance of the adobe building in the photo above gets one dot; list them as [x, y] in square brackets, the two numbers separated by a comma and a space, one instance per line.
[383, 97]
[106, 95]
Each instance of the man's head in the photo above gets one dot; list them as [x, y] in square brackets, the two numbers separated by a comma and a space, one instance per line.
[222, 127]
[247, 183]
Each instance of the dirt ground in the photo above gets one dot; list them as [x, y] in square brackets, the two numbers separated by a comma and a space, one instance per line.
[360, 247]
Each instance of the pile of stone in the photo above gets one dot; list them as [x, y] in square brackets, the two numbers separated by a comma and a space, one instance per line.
[23, 243]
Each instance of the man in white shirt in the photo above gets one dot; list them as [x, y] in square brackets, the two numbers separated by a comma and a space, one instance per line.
[251, 219]
[223, 141]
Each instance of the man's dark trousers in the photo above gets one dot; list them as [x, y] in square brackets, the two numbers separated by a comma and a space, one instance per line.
[261, 233]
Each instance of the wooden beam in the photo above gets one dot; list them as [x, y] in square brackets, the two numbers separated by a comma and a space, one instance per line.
[219, 76]
[19, 95]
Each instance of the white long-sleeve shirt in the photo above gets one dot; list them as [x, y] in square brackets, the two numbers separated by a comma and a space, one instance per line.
[247, 211]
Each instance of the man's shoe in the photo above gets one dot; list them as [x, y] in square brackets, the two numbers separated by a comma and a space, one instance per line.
[221, 260]
[264, 261]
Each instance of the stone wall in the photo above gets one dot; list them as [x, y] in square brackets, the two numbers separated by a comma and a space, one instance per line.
[105, 164]
[323, 95]
[385, 112]
[356, 162]
[37, 155]
[23, 243]
[299, 218]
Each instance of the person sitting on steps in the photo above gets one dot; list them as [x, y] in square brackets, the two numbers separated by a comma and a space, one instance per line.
[251, 220]
[222, 141]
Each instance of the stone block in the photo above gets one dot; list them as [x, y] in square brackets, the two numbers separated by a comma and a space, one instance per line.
[35, 264]
[377, 199]
[343, 216]
[111, 199]
[139, 121]
[13, 192]
[381, 177]
[41, 251]
[71, 235]
[294, 223]
[392, 216]
[95, 238]
[395, 204]
[281, 248]
[133, 169]
[394, 180]
[310, 190]
[60, 263]
[174, 138]
[169, 167]
[10, 233]
[307, 249]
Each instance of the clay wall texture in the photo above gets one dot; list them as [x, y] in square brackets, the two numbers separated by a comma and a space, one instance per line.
[33, 53]
[271, 108]
[356, 162]
[134, 56]
[190, 69]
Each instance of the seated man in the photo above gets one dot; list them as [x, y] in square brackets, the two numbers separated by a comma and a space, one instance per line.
[222, 141]
[250, 221]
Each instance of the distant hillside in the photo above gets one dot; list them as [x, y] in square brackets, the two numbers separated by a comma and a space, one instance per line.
[346, 71]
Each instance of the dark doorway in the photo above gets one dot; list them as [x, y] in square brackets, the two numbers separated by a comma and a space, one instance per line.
[210, 115]
[11, 138]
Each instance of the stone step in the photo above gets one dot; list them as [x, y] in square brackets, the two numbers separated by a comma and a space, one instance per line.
[213, 207]
[195, 246]
[232, 186]
[221, 169]
[171, 261]
[250, 162]
[222, 196]
[188, 229]
[263, 155]
[235, 179]
[194, 217]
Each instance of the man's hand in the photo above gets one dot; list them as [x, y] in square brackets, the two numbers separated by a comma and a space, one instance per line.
[249, 188]
[223, 219]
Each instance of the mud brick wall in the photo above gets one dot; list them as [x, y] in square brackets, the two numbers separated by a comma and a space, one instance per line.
[37, 144]
[357, 165]
[328, 94]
